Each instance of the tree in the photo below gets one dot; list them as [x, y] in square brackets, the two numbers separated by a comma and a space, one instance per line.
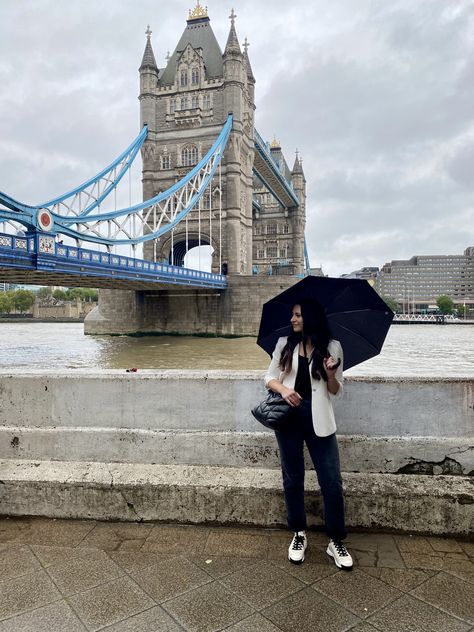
[59, 295]
[445, 304]
[6, 303]
[391, 302]
[81, 293]
[462, 311]
[23, 300]
[44, 294]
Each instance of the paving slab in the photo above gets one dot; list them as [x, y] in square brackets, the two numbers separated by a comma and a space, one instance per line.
[50, 531]
[403, 579]
[414, 615]
[27, 592]
[208, 608]
[57, 617]
[114, 536]
[169, 578]
[262, 584]
[253, 623]
[358, 592]
[152, 620]
[448, 593]
[17, 560]
[176, 539]
[231, 542]
[110, 603]
[81, 573]
[309, 611]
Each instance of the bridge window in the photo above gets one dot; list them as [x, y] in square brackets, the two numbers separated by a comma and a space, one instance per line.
[283, 252]
[189, 155]
[286, 229]
[258, 230]
[165, 162]
[195, 102]
[261, 254]
[206, 200]
[195, 76]
[172, 106]
[183, 78]
[272, 229]
[206, 104]
[272, 251]
[184, 103]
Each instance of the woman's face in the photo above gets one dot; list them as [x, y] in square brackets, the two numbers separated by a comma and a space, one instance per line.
[296, 319]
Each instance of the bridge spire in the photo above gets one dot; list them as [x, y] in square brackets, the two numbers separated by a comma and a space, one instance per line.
[232, 45]
[248, 67]
[148, 60]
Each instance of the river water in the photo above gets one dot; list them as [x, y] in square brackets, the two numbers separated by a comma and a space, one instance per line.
[409, 350]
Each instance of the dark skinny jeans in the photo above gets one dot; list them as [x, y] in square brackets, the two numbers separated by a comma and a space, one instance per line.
[324, 454]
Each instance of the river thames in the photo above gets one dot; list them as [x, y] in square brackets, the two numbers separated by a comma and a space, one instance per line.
[409, 350]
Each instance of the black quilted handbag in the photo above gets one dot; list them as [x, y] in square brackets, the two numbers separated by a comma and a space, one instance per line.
[272, 412]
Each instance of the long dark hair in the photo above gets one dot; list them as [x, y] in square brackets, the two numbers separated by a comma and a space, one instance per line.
[315, 330]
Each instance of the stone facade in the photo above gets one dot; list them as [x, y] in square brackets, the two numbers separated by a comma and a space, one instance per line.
[185, 106]
[233, 312]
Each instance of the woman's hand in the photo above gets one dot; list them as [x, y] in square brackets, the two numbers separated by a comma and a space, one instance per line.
[291, 396]
[330, 366]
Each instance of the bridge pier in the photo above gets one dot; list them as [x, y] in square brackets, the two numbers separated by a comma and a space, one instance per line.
[176, 310]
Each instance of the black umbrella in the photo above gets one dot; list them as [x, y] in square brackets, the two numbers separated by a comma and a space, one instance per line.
[357, 316]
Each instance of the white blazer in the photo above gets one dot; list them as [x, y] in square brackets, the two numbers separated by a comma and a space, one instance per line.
[324, 422]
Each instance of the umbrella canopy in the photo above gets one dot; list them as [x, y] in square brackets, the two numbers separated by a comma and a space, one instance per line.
[357, 316]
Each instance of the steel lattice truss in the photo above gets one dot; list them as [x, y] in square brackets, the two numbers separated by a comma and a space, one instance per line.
[72, 213]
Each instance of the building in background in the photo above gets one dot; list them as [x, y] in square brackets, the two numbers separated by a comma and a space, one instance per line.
[419, 281]
[368, 273]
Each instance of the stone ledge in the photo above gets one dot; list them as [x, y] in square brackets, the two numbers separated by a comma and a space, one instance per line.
[378, 455]
[442, 505]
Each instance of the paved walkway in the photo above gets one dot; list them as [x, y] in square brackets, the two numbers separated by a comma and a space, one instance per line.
[72, 576]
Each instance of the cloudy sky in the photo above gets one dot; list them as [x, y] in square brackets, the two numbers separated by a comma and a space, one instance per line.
[377, 95]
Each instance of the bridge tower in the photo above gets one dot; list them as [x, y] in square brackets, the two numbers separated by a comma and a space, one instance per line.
[185, 105]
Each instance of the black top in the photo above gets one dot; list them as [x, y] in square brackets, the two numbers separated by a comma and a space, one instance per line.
[303, 379]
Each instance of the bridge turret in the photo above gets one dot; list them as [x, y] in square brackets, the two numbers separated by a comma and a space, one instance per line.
[234, 73]
[299, 186]
[250, 81]
[148, 85]
[238, 158]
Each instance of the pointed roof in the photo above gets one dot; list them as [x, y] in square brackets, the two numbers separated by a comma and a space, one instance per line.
[199, 34]
[298, 166]
[232, 45]
[248, 67]
[148, 60]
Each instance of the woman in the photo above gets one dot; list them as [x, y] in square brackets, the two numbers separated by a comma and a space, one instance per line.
[306, 369]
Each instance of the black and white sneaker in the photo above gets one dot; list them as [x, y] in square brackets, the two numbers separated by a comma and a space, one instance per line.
[297, 547]
[340, 554]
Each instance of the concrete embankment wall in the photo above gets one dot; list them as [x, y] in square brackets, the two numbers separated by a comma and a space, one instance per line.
[182, 445]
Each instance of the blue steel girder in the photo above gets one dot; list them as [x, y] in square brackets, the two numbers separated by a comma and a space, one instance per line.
[154, 217]
[130, 226]
[81, 200]
[268, 172]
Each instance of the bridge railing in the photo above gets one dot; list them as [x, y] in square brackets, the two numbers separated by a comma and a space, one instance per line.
[61, 256]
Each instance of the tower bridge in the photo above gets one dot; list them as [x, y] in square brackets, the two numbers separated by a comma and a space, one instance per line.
[208, 179]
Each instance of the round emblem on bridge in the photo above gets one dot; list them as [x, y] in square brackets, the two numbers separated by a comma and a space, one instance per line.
[45, 221]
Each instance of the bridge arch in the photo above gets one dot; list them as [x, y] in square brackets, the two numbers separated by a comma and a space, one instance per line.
[174, 248]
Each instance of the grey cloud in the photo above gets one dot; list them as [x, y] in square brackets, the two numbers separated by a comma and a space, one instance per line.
[378, 99]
